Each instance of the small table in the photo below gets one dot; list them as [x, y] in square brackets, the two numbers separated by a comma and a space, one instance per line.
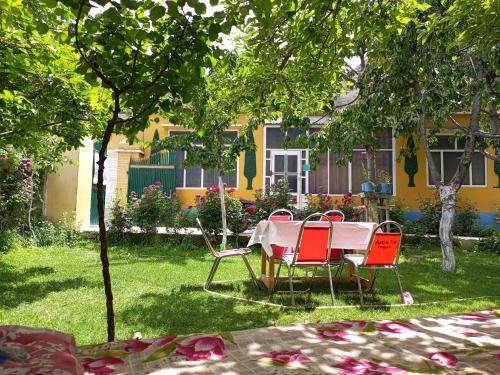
[345, 235]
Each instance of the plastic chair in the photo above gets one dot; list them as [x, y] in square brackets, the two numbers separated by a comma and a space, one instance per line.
[382, 252]
[224, 254]
[334, 215]
[312, 250]
[278, 251]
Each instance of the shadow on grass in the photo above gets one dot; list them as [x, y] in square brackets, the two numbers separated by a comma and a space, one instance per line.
[16, 289]
[190, 310]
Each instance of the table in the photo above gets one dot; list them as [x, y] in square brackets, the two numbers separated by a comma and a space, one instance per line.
[345, 235]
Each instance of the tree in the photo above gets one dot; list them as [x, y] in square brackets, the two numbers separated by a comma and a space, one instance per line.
[147, 55]
[215, 106]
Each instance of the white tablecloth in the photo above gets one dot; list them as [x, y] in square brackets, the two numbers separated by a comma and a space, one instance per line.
[346, 235]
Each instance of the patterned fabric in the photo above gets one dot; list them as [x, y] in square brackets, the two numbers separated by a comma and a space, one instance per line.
[27, 351]
[230, 252]
[458, 344]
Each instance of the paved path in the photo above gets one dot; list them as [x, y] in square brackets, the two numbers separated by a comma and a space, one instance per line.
[454, 344]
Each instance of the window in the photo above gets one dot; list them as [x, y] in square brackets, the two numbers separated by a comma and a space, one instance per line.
[195, 176]
[328, 177]
[446, 153]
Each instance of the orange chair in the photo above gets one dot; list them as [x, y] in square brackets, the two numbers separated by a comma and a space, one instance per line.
[278, 251]
[382, 252]
[312, 250]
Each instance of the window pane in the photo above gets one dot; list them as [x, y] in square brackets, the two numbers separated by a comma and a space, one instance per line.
[179, 171]
[478, 170]
[279, 163]
[385, 138]
[268, 167]
[230, 135]
[318, 178]
[292, 163]
[230, 179]
[358, 160]
[339, 176]
[274, 138]
[210, 177]
[193, 176]
[292, 182]
[383, 161]
[436, 156]
[450, 163]
[444, 142]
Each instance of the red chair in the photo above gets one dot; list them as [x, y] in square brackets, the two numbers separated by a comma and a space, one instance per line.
[382, 252]
[334, 215]
[312, 250]
[277, 215]
[224, 254]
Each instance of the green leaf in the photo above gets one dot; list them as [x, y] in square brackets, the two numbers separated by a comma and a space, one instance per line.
[157, 12]
[213, 31]
[163, 352]
[214, 2]
[112, 353]
[50, 3]
[130, 4]
[369, 329]
[200, 8]
[112, 15]
[42, 28]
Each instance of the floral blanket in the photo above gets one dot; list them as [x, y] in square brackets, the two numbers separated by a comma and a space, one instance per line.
[455, 344]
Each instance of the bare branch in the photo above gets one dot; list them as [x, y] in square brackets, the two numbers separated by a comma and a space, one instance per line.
[490, 156]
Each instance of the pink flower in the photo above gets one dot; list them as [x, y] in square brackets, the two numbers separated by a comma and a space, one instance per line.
[474, 316]
[496, 354]
[216, 189]
[201, 348]
[444, 359]
[287, 357]
[135, 346]
[352, 367]
[394, 327]
[100, 366]
[333, 335]
[351, 324]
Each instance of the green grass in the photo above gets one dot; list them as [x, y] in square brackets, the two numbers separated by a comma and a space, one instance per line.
[158, 291]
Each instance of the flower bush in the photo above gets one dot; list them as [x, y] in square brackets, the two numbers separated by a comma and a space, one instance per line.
[324, 202]
[271, 198]
[209, 211]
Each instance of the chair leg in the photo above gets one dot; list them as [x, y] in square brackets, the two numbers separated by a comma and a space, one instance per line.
[331, 283]
[212, 272]
[291, 284]
[252, 274]
[360, 289]
[399, 282]
[277, 275]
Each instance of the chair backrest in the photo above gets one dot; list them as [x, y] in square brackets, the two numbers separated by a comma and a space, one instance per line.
[209, 243]
[281, 214]
[384, 247]
[334, 215]
[313, 244]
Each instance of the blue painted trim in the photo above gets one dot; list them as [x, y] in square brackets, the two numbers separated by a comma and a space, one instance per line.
[484, 218]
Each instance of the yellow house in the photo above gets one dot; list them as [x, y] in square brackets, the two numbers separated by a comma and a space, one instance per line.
[72, 189]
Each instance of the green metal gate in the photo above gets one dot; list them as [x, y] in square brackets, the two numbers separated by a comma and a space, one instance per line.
[159, 167]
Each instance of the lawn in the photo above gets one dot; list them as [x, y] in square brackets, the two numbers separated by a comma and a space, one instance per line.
[158, 291]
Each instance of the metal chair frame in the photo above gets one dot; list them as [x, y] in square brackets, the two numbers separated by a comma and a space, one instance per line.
[331, 212]
[294, 263]
[363, 265]
[288, 212]
[225, 254]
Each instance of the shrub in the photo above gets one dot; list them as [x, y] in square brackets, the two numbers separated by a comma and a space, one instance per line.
[44, 231]
[465, 218]
[397, 213]
[16, 189]
[428, 223]
[9, 240]
[148, 212]
[209, 211]
[173, 217]
[490, 244]
[68, 233]
[271, 198]
[119, 223]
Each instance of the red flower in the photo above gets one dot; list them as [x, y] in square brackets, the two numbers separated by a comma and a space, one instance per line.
[201, 348]
[394, 327]
[350, 366]
[100, 366]
[287, 357]
[444, 359]
[333, 335]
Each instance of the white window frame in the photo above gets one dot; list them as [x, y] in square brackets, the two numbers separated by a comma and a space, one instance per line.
[441, 160]
[349, 165]
[184, 187]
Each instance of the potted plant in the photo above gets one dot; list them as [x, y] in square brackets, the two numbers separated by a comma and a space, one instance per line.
[367, 186]
[384, 182]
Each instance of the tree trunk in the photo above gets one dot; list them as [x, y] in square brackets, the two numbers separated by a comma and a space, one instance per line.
[223, 212]
[102, 230]
[448, 196]
[370, 163]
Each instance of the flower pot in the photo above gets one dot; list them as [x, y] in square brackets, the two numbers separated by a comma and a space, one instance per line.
[367, 187]
[385, 188]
